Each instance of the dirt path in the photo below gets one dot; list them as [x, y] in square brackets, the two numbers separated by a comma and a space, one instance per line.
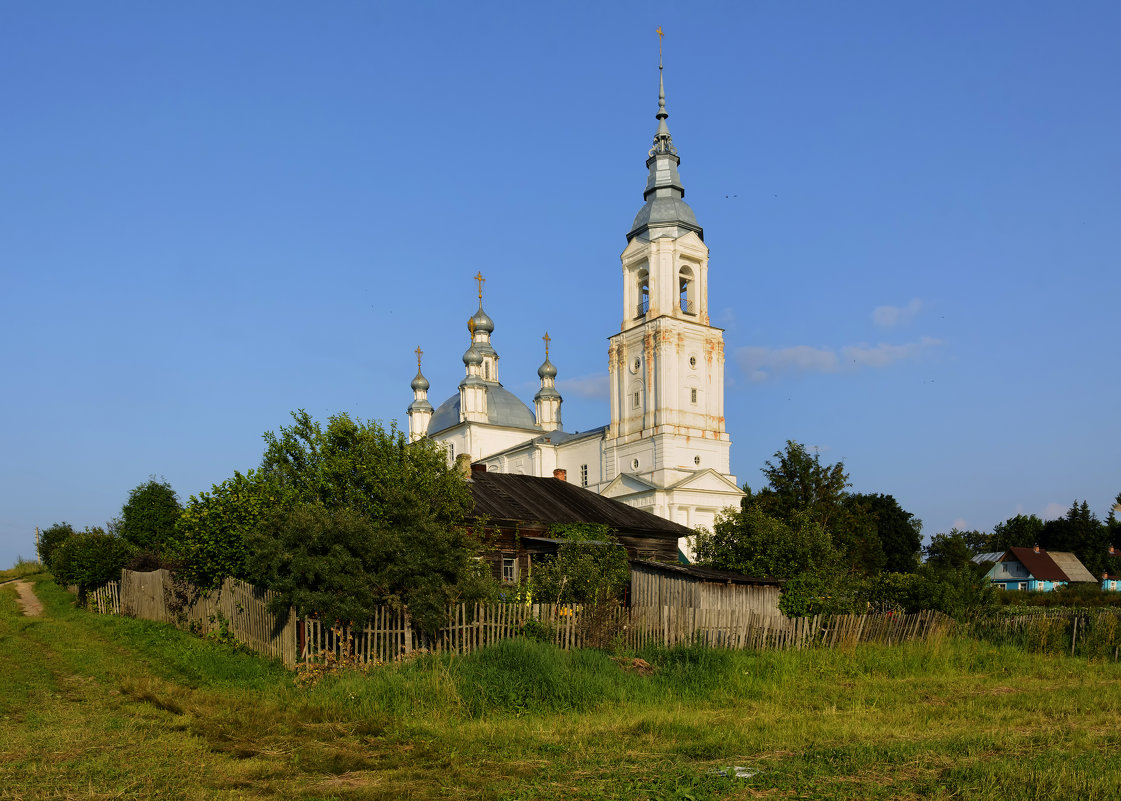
[28, 601]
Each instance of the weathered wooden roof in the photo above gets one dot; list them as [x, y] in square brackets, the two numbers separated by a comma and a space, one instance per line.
[699, 573]
[1072, 566]
[504, 496]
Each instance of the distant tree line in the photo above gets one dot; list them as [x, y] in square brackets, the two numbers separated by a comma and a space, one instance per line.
[842, 551]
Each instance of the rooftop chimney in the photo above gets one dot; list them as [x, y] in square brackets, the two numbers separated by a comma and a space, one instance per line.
[561, 474]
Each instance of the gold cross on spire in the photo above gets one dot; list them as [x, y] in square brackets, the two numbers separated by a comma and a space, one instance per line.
[547, 339]
[660, 35]
[481, 280]
[418, 353]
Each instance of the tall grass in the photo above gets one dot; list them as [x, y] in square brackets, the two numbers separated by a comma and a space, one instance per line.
[23, 568]
[104, 706]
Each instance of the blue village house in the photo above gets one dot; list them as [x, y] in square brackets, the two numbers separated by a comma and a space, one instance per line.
[1037, 570]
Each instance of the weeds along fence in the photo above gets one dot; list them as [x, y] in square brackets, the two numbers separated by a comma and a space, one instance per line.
[236, 609]
[389, 636]
[239, 610]
[1094, 635]
[105, 600]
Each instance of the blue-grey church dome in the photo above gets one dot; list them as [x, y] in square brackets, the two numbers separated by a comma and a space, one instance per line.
[503, 409]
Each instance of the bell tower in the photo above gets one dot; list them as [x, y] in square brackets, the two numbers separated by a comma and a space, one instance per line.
[666, 364]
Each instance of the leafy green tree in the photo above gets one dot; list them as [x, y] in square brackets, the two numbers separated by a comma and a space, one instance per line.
[90, 559]
[149, 515]
[210, 537]
[341, 565]
[754, 543]
[800, 483]
[898, 531]
[50, 539]
[953, 551]
[590, 567]
[373, 470]
[389, 512]
[1021, 531]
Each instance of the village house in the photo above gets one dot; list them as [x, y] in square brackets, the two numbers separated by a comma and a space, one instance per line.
[1037, 570]
[517, 514]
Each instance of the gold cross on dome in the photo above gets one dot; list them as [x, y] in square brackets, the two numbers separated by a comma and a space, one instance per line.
[418, 353]
[481, 280]
[547, 339]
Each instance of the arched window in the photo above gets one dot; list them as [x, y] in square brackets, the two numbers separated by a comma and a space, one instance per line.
[687, 290]
[643, 293]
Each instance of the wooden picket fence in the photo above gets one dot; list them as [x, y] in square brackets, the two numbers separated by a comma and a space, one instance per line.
[105, 600]
[1090, 634]
[240, 611]
[388, 636]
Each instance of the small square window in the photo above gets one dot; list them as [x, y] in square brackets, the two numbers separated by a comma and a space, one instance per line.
[509, 570]
[693, 395]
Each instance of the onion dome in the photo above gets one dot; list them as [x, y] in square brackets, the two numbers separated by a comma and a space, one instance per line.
[472, 356]
[480, 321]
[547, 370]
[420, 383]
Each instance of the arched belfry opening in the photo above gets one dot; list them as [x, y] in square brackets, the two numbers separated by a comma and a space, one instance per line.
[643, 293]
[687, 290]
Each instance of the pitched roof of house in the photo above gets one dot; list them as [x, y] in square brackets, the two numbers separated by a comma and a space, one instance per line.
[1038, 563]
[1070, 564]
[504, 496]
[1050, 565]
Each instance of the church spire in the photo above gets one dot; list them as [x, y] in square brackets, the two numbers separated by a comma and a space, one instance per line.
[663, 142]
[665, 213]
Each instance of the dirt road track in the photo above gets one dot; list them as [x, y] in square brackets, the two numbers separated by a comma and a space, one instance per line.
[28, 601]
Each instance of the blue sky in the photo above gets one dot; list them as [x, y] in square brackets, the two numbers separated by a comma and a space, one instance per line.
[212, 214]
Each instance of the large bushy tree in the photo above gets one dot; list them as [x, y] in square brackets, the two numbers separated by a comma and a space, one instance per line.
[757, 544]
[210, 537]
[90, 559]
[49, 540]
[898, 531]
[149, 515]
[339, 518]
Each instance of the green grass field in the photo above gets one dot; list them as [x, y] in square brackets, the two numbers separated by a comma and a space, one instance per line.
[105, 707]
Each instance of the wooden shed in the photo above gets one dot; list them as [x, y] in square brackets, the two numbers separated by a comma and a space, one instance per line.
[695, 587]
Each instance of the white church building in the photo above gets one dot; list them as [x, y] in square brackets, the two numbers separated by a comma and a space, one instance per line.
[665, 448]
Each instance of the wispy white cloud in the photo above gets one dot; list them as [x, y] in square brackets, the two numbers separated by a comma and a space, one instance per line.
[596, 385]
[960, 524]
[889, 316]
[760, 364]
